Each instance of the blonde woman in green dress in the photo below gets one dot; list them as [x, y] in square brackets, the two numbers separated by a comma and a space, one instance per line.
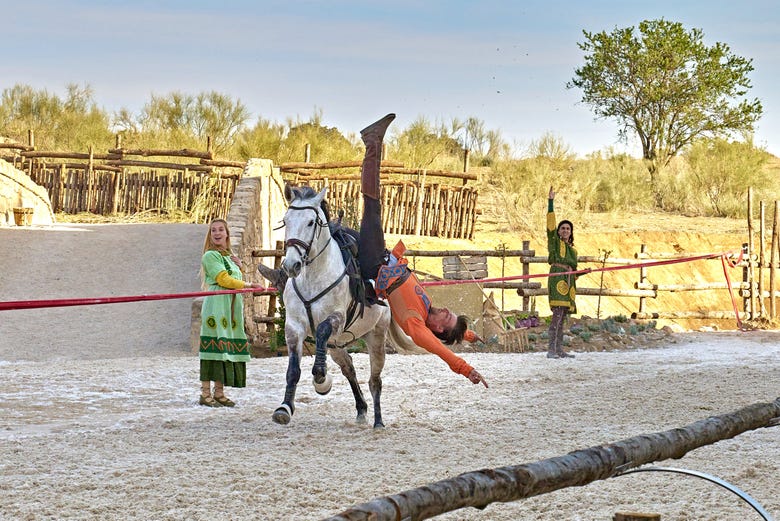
[224, 349]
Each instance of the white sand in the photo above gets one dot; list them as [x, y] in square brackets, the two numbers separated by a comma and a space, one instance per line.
[99, 418]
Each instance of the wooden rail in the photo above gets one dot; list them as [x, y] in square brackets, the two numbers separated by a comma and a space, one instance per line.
[641, 290]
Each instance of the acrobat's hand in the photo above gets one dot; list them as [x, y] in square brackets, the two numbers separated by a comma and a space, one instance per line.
[476, 378]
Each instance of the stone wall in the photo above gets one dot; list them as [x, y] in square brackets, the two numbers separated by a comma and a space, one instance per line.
[258, 207]
[17, 190]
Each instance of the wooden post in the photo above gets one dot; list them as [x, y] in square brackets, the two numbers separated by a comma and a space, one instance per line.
[90, 180]
[118, 141]
[466, 154]
[761, 306]
[307, 153]
[774, 261]
[31, 142]
[642, 279]
[751, 314]
[60, 199]
[746, 280]
[526, 271]
[503, 274]
[270, 326]
[420, 201]
[116, 177]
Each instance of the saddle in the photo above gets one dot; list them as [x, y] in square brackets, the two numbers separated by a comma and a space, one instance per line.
[361, 290]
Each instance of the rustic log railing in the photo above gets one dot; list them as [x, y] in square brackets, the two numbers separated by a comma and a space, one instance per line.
[480, 488]
[641, 289]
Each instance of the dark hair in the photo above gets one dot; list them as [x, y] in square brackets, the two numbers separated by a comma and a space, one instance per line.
[455, 334]
[571, 237]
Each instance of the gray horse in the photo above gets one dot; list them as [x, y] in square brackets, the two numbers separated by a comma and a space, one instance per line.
[317, 300]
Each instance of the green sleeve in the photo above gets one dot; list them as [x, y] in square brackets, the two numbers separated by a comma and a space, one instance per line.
[212, 265]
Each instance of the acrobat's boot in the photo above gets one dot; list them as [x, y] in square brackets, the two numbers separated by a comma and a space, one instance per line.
[276, 277]
[372, 137]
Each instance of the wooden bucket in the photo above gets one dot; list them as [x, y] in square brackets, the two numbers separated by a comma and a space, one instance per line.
[23, 216]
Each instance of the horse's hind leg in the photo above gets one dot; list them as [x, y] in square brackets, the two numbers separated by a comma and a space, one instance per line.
[376, 351]
[341, 357]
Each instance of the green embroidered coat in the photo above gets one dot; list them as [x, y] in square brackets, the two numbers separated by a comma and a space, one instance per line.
[562, 257]
[222, 335]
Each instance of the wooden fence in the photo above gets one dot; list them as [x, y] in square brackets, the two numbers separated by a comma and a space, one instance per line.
[641, 290]
[125, 182]
[410, 208]
[118, 183]
[413, 204]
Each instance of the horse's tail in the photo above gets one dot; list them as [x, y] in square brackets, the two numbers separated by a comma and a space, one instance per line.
[401, 342]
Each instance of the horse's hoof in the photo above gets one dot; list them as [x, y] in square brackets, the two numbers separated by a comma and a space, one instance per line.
[325, 386]
[282, 415]
[361, 419]
[379, 425]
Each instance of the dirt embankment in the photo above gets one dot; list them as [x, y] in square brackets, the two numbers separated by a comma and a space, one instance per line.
[620, 237]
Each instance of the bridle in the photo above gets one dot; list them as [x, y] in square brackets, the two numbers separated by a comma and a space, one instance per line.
[304, 248]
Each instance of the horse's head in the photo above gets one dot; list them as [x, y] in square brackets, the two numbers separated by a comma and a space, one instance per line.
[305, 228]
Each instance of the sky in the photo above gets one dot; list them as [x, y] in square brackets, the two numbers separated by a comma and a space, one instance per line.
[504, 62]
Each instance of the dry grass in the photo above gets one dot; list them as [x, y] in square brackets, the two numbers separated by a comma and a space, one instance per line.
[147, 216]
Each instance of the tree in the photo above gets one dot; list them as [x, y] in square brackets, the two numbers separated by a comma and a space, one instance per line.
[184, 118]
[723, 172]
[326, 143]
[262, 140]
[666, 86]
[485, 146]
[73, 123]
[424, 145]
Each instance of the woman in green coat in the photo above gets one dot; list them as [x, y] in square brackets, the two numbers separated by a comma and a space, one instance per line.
[224, 349]
[561, 289]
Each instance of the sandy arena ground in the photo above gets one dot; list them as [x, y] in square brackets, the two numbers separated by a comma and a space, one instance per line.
[99, 416]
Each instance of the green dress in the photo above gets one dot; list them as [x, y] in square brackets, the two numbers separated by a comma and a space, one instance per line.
[561, 289]
[224, 349]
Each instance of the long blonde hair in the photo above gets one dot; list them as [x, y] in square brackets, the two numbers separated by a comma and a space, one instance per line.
[208, 244]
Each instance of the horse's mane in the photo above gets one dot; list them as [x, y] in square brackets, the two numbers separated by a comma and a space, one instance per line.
[307, 192]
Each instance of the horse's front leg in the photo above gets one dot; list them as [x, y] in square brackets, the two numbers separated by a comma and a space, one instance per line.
[322, 380]
[341, 357]
[284, 412]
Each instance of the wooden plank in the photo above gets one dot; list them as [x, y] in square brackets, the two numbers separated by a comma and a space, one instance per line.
[184, 152]
[684, 315]
[635, 516]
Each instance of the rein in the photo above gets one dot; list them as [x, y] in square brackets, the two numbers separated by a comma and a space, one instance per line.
[305, 248]
[307, 303]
